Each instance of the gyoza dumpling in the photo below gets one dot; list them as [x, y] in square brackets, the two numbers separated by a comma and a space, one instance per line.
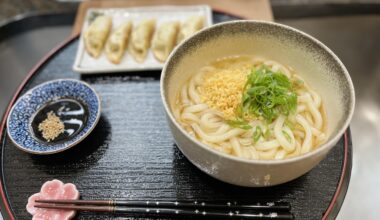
[164, 40]
[190, 26]
[141, 37]
[117, 42]
[96, 35]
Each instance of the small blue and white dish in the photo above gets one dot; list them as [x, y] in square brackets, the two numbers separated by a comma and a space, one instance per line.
[76, 105]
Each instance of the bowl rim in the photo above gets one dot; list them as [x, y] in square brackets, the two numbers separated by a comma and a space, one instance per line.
[326, 146]
[91, 128]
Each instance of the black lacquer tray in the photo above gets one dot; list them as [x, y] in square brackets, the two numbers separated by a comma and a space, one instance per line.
[131, 154]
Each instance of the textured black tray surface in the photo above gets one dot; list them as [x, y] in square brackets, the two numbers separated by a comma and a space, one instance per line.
[131, 154]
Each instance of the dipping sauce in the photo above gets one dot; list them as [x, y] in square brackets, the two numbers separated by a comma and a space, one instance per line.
[59, 120]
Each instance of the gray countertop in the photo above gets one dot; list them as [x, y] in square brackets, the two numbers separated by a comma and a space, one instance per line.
[12, 8]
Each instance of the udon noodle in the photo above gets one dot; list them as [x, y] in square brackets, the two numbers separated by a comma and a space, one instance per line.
[210, 100]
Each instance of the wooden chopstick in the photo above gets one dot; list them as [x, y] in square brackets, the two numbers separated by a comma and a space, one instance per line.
[178, 212]
[270, 206]
[79, 208]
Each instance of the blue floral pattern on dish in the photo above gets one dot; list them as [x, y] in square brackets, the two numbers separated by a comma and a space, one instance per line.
[19, 118]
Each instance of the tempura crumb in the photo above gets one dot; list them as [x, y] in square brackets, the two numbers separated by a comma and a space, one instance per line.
[51, 127]
[222, 89]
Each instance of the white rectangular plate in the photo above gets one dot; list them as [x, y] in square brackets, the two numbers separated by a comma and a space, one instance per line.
[84, 63]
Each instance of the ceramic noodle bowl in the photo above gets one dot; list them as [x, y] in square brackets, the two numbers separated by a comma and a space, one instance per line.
[309, 58]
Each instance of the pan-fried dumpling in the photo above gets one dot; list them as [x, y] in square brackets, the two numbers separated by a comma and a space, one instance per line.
[164, 40]
[190, 26]
[141, 37]
[117, 42]
[96, 35]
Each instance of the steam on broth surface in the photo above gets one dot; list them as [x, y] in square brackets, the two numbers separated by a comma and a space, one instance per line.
[251, 108]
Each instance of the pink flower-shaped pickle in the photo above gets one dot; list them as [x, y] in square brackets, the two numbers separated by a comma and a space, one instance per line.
[54, 189]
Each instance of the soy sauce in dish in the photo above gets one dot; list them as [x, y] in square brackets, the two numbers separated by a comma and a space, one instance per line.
[72, 113]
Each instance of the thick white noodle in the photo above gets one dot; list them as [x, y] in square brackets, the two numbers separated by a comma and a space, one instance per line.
[289, 132]
[316, 98]
[254, 154]
[236, 147]
[195, 108]
[216, 138]
[308, 118]
[190, 117]
[321, 138]
[275, 66]
[316, 132]
[280, 155]
[206, 69]
[267, 145]
[198, 79]
[307, 142]
[184, 98]
[297, 151]
[301, 108]
[298, 133]
[245, 141]
[312, 109]
[221, 130]
[278, 129]
[193, 93]
[247, 134]
[177, 112]
[207, 123]
[267, 155]
[246, 153]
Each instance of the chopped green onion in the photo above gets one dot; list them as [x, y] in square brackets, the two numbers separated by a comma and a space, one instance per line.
[267, 134]
[267, 94]
[257, 134]
[298, 83]
[289, 124]
[287, 136]
[239, 123]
